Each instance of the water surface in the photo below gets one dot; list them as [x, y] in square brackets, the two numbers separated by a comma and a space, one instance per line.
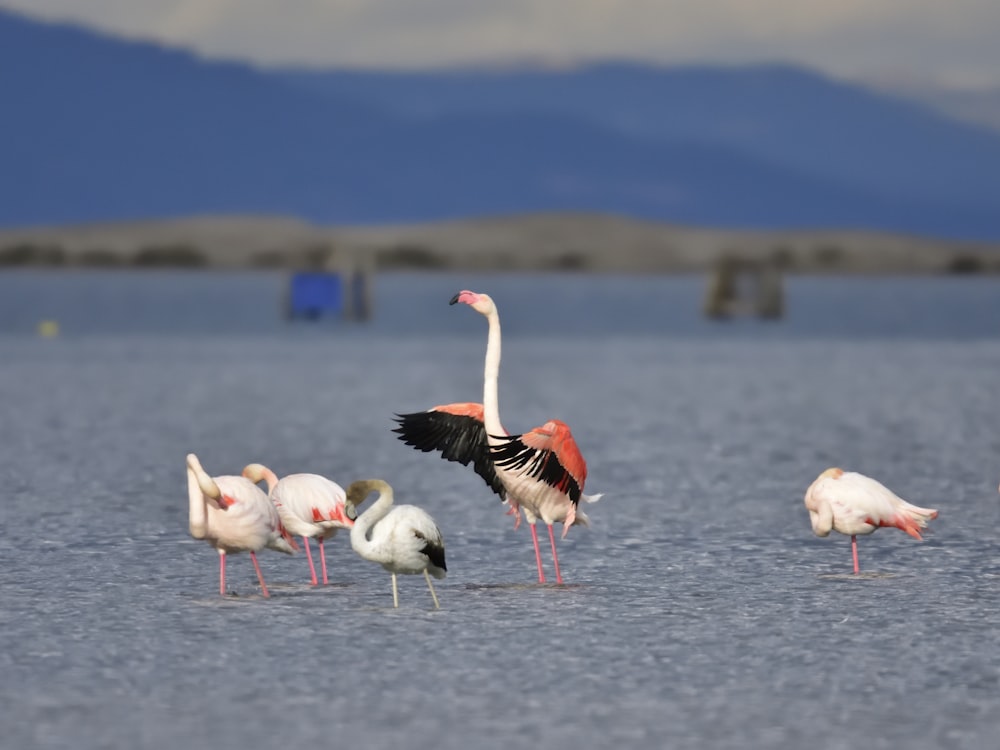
[700, 611]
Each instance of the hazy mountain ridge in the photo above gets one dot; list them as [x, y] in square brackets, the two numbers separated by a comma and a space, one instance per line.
[104, 129]
[786, 116]
[976, 106]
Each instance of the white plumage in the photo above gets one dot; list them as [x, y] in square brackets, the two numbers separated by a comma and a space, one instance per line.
[854, 504]
[402, 539]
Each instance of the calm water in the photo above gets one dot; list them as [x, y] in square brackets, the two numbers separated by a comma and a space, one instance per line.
[701, 610]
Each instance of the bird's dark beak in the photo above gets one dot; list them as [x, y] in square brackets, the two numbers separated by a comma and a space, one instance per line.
[454, 299]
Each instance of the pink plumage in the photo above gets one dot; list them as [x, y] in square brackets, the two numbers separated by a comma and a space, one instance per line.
[310, 506]
[541, 471]
[232, 514]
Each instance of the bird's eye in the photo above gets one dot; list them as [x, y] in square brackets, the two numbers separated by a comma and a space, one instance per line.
[351, 512]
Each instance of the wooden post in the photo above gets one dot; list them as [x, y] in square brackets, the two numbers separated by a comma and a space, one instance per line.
[737, 286]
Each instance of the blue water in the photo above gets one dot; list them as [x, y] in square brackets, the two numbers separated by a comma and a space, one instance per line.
[126, 302]
[700, 611]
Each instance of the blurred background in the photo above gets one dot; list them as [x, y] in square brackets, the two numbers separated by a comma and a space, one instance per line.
[325, 143]
[732, 244]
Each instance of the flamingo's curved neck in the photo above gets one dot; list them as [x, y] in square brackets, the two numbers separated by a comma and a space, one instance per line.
[271, 478]
[491, 377]
[197, 521]
[200, 484]
[359, 532]
[822, 519]
[203, 480]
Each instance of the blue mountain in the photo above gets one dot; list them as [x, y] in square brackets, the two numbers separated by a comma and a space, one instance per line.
[96, 128]
[789, 117]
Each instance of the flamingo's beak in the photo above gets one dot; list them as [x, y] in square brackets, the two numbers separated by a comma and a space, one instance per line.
[454, 299]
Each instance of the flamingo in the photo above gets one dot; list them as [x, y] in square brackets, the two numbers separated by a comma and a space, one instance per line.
[540, 471]
[402, 539]
[854, 504]
[310, 505]
[233, 515]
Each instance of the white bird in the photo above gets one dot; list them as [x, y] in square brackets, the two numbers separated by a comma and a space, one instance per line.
[233, 515]
[854, 504]
[310, 506]
[402, 539]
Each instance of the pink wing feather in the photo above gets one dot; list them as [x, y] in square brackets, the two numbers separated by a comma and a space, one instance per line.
[548, 453]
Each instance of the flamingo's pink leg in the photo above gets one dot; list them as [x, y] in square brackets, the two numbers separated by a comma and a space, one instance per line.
[309, 557]
[322, 559]
[222, 574]
[538, 554]
[854, 552]
[515, 511]
[555, 557]
[260, 577]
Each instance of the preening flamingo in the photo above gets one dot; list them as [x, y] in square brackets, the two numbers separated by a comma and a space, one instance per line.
[540, 471]
[854, 504]
[233, 515]
[402, 539]
[310, 505]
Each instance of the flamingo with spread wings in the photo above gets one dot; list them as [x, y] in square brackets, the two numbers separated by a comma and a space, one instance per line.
[540, 472]
[854, 504]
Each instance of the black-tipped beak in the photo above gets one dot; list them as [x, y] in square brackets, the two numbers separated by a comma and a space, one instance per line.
[454, 299]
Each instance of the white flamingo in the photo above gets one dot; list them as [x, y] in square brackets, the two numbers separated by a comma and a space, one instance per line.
[854, 504]
[310, 506]
[402, 539]
[540, 471]
[233, 515]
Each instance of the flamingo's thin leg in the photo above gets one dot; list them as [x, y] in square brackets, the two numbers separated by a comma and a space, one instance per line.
[854, 552]
[430, 585]
[222, 572]
[555, 557]
[260, 576]
[309, 557]
[538, 554]
[322, 559]
[395, 593]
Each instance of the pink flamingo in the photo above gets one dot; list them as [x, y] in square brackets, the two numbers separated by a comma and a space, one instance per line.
[854, 504]
[233, 515]
[540, 471]
[310, 505]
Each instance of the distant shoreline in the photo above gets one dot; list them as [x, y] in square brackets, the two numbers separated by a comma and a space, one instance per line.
[586, 243]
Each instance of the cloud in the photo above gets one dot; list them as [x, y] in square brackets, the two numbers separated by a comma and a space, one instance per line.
[953, 41]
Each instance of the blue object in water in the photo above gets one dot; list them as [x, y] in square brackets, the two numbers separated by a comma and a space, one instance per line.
[314, 293]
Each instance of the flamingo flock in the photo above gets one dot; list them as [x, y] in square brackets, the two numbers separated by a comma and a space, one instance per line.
[540, 473]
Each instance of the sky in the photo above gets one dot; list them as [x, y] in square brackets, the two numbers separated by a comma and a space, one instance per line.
[938, 42]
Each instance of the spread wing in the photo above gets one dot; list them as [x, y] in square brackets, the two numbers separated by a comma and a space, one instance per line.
[456, 431]
[547, 453]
